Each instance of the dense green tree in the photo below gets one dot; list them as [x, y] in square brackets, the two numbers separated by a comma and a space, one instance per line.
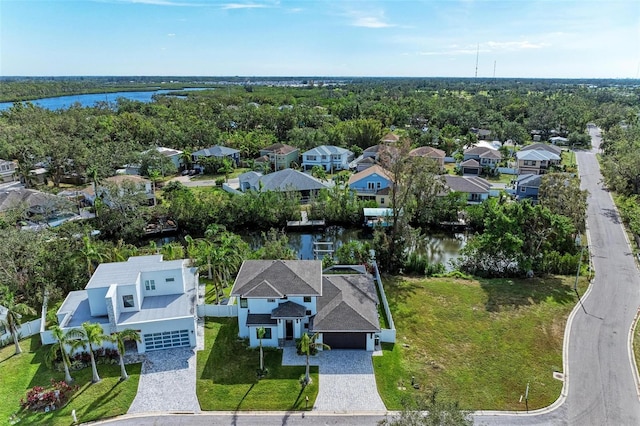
[561, 193]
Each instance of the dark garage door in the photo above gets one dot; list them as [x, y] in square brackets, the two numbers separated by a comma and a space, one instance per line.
[345, 340]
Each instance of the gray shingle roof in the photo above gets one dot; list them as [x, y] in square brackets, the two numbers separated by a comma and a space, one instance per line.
[215, 151]
[427, 151]
[470, 163]
[467, 184]
[529, 180]
[288, 180]
[483, 151]
[542, 146]
[327, 150]
[538, 155]
[30, 198]
[348, 304]
[280, 277]
[289, 309]
[260, 319]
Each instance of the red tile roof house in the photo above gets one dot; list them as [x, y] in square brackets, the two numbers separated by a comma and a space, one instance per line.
[292, 297]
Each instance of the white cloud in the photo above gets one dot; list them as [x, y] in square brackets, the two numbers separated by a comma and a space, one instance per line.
[171, 35]
[370, 19]
[233, 6]
[514, 45]
[163, 3]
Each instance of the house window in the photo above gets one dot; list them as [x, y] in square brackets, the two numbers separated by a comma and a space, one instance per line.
[382, 200]
[311, 158]
[170, 280]
[307, 312]
[522, 189]
[271, 300]
[267, 333]
[150, 284]
[127, 301]
[243, 302]
[371, 185]
[306, 325]
[324, 157]
[307, 299]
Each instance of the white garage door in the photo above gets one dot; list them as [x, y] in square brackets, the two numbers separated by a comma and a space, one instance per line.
[166, 339]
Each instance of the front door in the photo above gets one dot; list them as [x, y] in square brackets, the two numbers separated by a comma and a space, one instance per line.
[289, 329]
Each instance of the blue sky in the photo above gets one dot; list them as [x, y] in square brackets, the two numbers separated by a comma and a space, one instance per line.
[542, 38]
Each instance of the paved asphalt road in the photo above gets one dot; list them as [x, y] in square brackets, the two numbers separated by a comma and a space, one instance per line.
[601, 389]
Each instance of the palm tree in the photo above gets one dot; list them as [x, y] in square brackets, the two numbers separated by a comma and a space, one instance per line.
[172, 251]
[12, 316]
[120, 338]
[91, 335]
[63, 341]
[91, 252]
[307, 345]
[261, 332]
[186, 159]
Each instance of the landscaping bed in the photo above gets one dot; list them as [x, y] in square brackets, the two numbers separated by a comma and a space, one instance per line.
[20, 373]
[227, 376]
[479, 342]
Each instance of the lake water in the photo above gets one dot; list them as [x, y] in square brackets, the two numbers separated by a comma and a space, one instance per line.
[64, 102]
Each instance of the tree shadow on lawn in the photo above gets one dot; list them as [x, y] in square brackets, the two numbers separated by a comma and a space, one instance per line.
[230, 362]
[519, 292]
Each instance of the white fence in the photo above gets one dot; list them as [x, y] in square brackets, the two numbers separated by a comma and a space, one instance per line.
[508, 170]
[231, 190]
[217, 310]
[386, 335]
[25, 330]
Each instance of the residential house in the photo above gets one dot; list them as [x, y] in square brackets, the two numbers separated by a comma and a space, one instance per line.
[38, 208]
[390, 138]
[536, 161]
[217, 151]
[141, 184]
[173, 154]
[328, 157]
[281, 156]
[292, 297]
[7, 171]
[287, 180]
[146, 293]
[370, 183]
[376, 154]
[539, 146]
[559, 140]
[485, 156]
[429, 152]
[483, 134]
[527, 187]
[476, 188]
[471, 167]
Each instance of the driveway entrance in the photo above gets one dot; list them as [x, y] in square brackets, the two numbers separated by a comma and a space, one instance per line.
[347, 382]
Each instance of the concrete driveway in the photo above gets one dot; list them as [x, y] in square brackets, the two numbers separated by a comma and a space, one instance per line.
[167, 382]
[347, 381]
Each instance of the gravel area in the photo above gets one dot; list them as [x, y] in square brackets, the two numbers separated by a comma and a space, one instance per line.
[347, 381]
[167, 382]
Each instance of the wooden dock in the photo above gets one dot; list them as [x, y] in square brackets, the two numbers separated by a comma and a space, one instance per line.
[305, 222]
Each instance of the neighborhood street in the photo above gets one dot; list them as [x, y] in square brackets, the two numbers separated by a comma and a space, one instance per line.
[600, 378]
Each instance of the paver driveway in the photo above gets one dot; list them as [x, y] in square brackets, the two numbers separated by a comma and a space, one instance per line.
[167, 382]
[347, 381]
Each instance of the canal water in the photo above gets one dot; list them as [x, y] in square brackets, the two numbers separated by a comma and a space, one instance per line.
[438, 248]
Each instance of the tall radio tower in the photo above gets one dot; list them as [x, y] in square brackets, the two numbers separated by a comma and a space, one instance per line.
[477, 56]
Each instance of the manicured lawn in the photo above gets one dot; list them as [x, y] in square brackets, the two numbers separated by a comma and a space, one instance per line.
[479, 342]
[227, 379]
[108, 398]
[210, 291]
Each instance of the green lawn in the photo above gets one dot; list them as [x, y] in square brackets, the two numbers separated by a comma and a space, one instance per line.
[479, 342]
[19, 373]
[227, 379]
[210, 291]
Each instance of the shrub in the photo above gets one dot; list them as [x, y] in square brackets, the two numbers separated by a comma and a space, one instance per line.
[38, 398]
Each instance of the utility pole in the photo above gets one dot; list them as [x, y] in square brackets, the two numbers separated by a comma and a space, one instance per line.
[494, 70]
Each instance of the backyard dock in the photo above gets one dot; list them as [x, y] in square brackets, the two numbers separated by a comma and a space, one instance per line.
[305, 222]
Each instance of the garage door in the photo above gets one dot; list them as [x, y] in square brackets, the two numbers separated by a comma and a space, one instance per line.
[345, 340]
[166, 339]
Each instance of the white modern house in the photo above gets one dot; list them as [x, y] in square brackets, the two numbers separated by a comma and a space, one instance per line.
[292, 297]
[155, 297]
[329, 157]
